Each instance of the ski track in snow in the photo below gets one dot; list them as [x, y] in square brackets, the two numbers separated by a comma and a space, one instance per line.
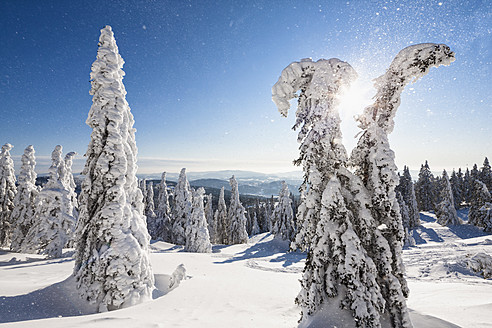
[249, 285]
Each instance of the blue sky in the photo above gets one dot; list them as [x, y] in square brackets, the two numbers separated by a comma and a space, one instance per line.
[199, 76]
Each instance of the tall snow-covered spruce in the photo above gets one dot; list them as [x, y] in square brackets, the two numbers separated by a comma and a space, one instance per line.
[351, 224]
[112, 266]
[182, 208]
[339, 276]
[222, 232]
[374, 163]
[8, 191]
[236, 217]
[163, 212]
[23, 212]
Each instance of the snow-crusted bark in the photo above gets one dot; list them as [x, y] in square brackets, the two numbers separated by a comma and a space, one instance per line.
[8, 191]
[445, 210]
[283, 214]
[374, 162]
[209, 214]
[197, 237]
[23, 213]
[222, 235]
[54, 223]
[236, 217]
[163, 212]
[182, 208]
[112, 265]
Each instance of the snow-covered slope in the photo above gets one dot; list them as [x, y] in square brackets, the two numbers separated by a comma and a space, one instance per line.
[249, 285]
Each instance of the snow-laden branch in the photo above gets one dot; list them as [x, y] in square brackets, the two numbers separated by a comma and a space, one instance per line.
[409, 65]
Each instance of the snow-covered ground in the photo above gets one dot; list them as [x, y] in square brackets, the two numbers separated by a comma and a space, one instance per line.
[249, 285]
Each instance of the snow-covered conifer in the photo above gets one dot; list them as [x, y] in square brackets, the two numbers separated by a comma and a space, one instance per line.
[182, 208]
[375, 166]
[236, 216]
[222, 235]
[150, 211]
[8, 191]
[209, 214]
[284, 216]
[467, 187]
[255, 228]
[405, 217]
[197, 237]
[486, 174]
[53, 223]
[112, 265]
[406, 188]
[479, 200]
[445, 210]
[424, 189]
[456, 188]
[338, 269]
[23, 213]
[163, 212]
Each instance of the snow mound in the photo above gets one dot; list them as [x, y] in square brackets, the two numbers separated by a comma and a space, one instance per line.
[480, 263]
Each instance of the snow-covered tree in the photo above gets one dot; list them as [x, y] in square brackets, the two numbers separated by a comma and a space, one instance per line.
[374, 163]
[112, 265]
[209, 215]
[142, 184]
[445, 210]
[457, 188]
[479, 200]
[236, 217]
[197, 237]
[406, 188]
[283, 214]
[467, 187]
[486, 174]
[405, 217]
[182, 208]
[163, 212]
[222, 235]
[338, 269]
[255, 228]
[150, 211]
[8, 191]
[54, 222]
[424, 189]
[23, 213]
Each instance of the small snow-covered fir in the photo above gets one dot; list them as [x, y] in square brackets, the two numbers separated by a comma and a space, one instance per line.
[237, 233]
[196, 231]
[53, 223]
[23, 213]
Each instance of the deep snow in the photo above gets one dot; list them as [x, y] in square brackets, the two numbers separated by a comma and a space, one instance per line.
[248, 285]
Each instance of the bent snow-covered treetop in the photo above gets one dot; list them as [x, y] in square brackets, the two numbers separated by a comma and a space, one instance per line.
[409, 65]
